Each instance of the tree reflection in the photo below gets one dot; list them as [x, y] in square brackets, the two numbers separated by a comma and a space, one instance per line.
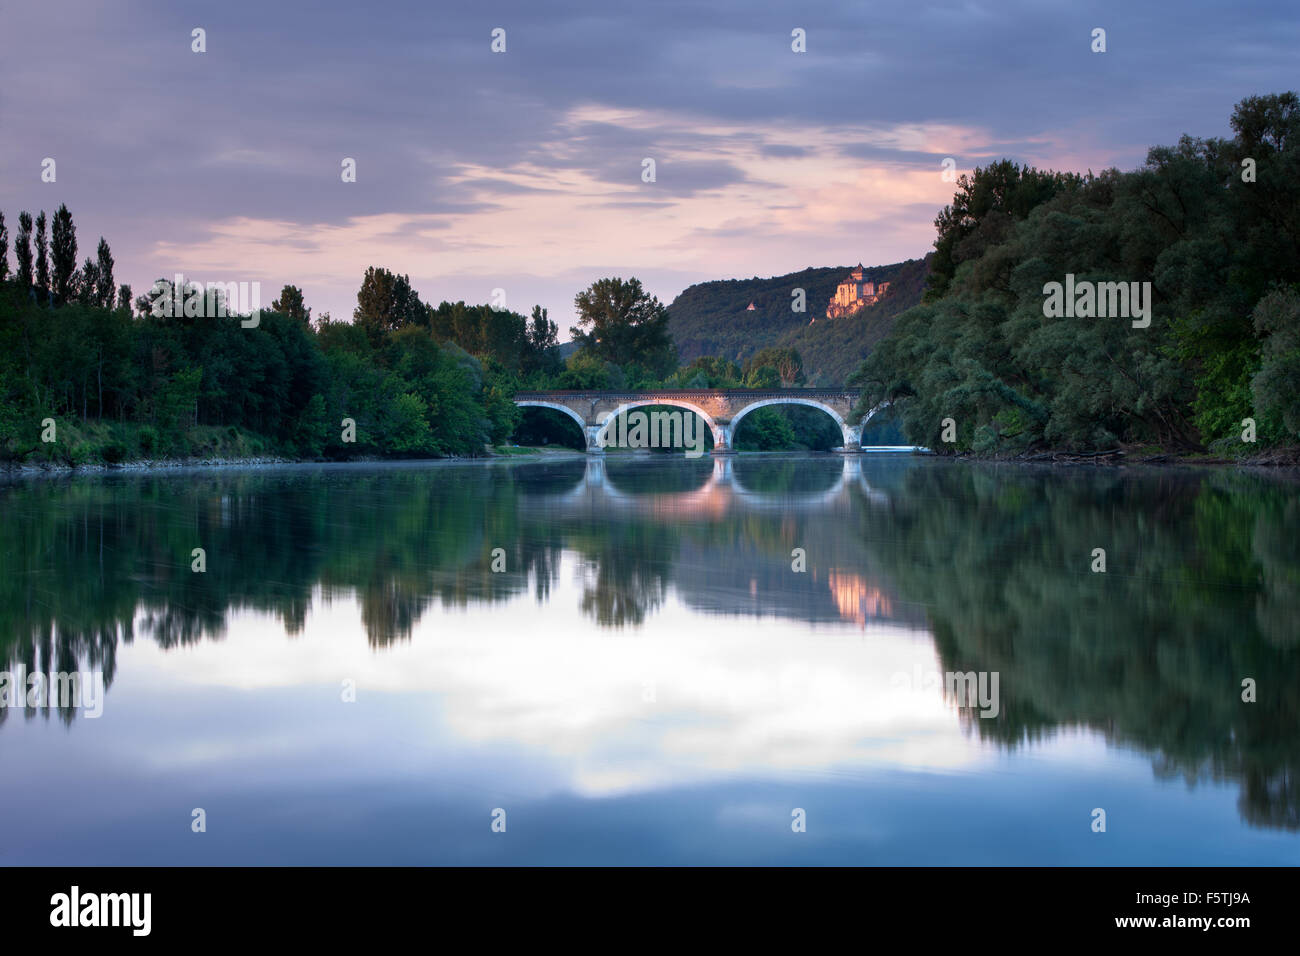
[1202, 587]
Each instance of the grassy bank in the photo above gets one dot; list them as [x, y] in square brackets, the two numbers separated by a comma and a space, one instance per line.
[91, 443]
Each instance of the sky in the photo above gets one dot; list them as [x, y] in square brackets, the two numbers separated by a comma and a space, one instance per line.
[522, 170]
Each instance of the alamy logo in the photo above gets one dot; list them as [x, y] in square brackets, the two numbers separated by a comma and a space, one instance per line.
[968, 689]
[134, 910]
[1100, 300]
[639, 429]
[215, 300]
[76, 690]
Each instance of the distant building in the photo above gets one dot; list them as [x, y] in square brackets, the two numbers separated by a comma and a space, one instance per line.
[854, 293]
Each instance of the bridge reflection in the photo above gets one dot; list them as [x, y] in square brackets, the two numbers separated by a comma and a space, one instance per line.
[722, 492]
[725, 544]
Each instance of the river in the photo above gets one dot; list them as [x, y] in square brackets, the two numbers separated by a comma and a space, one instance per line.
[655, 660]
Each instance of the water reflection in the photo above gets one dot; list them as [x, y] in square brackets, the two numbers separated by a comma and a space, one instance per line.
[988, 565]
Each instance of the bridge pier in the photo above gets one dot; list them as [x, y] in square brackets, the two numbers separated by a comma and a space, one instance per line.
[594, 475]
[852, 439]
[594, 447]
[722, 439]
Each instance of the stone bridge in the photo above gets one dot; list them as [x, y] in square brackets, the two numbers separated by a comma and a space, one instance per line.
[721, 408]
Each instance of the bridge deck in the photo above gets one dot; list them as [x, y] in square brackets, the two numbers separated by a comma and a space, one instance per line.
[693, 393]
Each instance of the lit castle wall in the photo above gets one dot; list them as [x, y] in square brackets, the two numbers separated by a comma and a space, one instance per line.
[854, 293]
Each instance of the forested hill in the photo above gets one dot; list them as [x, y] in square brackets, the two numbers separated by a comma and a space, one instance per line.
[832, 348]
[712, 318]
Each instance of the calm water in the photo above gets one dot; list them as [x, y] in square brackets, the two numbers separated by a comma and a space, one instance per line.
[648, 680]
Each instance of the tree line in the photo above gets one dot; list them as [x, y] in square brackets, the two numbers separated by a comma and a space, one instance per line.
[87, 374]
[1213, 225]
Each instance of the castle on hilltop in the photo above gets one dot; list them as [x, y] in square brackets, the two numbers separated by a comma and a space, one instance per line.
[855, 292]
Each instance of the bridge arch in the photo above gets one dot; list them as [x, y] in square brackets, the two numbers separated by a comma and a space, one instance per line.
[555, 406]
[875, 411]
[764, 402]
[850, 434]
[720, 438]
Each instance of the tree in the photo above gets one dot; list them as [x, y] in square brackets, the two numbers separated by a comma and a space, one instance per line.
[4, 248]
[312, 431]
[385, 303]
[124, 298]
[104, 287]
[63, 252]
[543, 337]
[621, 323]
[585, 371]
[290, 303]
[1267, 124]
[543, 334]
[763, 376]
[23, 249]
[42, 257]
[708, 371]
[1276, 386]
[786, 361]
[764, 429]
[177, 404]
[85, 284]
[984, 208]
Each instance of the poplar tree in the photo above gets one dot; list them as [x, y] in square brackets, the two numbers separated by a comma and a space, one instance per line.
[85, 285]
[63, 253]
[104, 287]
[4, 248]
[23, 249]
[42, 257]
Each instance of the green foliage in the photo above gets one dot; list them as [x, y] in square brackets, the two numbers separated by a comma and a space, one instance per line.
[520, 346]
[104, 291]
[764, 429]
[585, 370]
[42, 258]
[1276, 386]
[763, 376]
[620, 322]
[23, 249]
[282, 387]
[177, 404]
[290, 302]
[984, 210]
[385, 303]
[406, 425]
[114, 452]
[786, 362]
[706, 371]
[1212, 246]
[63, 254]
[312, 428]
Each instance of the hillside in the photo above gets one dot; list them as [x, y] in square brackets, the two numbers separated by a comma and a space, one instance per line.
[832, 348]
[711, 318]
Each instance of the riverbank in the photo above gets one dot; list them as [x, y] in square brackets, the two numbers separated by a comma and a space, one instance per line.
[1275, 458]
[1284, 457]
[54, 469]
